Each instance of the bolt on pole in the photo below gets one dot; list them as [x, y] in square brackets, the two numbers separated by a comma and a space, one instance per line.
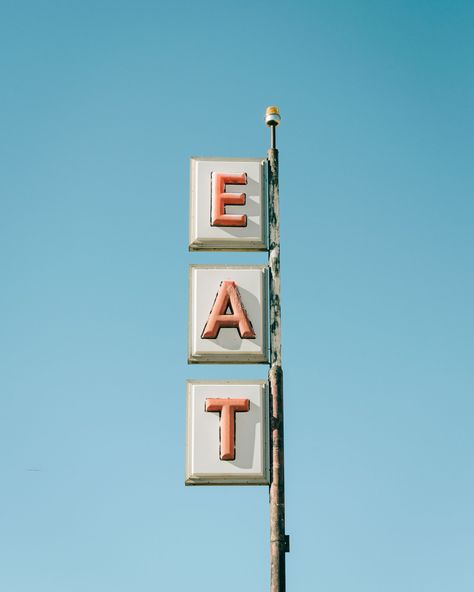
[279, 542]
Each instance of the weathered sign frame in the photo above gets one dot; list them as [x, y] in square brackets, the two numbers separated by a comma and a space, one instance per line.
[251, 477]
[237, 357]
[219, 239]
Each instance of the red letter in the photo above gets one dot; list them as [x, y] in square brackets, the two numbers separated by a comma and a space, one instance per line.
[227, 409]
[228, 297]
[220, 199]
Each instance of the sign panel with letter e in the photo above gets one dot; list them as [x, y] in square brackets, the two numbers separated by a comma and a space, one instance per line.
[228, 314]
[228, 204]
[227, 434]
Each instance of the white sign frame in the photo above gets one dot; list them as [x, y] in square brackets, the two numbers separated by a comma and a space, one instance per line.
[203, 466]
[216, 351]
[205, 237]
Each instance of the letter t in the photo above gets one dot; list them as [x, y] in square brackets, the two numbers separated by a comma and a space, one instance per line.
[227, 409]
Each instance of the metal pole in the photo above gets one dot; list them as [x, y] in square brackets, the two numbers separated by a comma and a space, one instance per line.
[279, 542]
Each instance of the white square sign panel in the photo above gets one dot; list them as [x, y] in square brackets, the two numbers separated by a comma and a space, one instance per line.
[228, 204]
[227, 433]
[228, 316]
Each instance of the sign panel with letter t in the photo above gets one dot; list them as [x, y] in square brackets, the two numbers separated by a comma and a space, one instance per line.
[227, 432]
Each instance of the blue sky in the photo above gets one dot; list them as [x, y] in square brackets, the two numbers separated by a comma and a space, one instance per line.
[102, 104]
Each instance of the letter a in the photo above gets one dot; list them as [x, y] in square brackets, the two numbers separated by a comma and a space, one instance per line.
[228, 297]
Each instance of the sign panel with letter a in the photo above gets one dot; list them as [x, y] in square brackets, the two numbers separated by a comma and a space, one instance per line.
[228, 314]
[227, 433]
[228, 204]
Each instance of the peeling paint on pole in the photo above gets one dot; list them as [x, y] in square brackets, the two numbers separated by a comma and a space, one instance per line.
[278, 538]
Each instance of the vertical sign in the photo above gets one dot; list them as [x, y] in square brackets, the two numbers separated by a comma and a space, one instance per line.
[234, 427]
[228, 323]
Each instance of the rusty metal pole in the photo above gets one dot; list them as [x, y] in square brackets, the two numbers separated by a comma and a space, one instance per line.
[279, 542]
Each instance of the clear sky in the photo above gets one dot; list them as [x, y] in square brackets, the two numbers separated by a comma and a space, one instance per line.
[102, 104]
